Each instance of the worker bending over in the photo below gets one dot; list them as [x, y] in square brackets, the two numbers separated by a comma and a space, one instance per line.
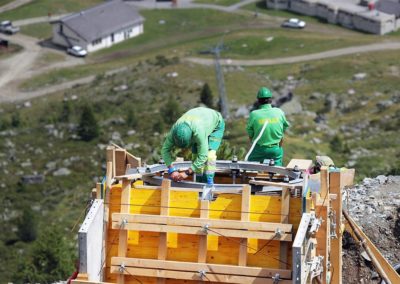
[201, 129]
[269, 145]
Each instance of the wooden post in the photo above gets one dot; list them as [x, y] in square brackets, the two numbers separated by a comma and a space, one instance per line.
[123, 234]
[324, 182]
[285, 206]
[336, 243]
[204, 213]
[120, 162]
[111, 158]
[245, 216]
[163, 245]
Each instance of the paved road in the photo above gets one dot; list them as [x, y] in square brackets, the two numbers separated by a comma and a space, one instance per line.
[13, 5]
[301, 58]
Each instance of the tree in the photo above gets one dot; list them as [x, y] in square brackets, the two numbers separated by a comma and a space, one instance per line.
[206, 96]
[88, 128]
[65, 112]
[27, 226]
[131, 118]
[15, 120]
[51, 259]
[171, 110]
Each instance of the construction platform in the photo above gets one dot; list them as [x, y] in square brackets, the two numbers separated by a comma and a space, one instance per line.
[259, 224]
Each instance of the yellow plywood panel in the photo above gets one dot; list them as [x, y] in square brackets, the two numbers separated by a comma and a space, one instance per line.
[143, 244]
[227, 251]
[263, 253]
[184, 204]
[226, 206]
[145, 201]
[182, 247]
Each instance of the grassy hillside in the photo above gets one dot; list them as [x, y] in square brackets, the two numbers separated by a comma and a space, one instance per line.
[353, 118]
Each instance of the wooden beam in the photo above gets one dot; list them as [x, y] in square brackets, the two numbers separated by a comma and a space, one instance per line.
[199, 231]
[195, 267]
[164, 210]
[120, 162]
[244, 216]
[98, 190]
[347, 177]
[386, 269]
[336, 243]
[76, 281]
[302, 164]
[285, 206]
[129, 177]
[221, 278]
[134, 161]
[201, 222]
[277, 184]
[324, 182]
[204, 214]
[123, 233]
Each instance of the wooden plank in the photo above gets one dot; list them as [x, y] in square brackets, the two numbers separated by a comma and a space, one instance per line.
[336, 243]
[120, 162]
[88, 282]
[164, 210]
[195, 267]
[323, 236]
[123, 233]
[201, 222]
[324, 182]
[390, 272]
[221, 278]
[347, 177]
[98, 190]
[244, 216]
[134, 161]
[285, 207]
[202, 257]
[199, 231]
[301, 163]
[278, 184]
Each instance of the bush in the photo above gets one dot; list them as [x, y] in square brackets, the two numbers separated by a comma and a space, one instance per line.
[171, 110]
[206, 96]
[27, 226]
[88, 128]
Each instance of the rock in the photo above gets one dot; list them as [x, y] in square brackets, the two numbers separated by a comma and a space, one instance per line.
[120, 88]
[51, 165]
[359, 76]
[269, 39]
[351, 91]
[292, 107]
[242, 111]
[62, 172]
[382, 179]
[27, 104]
[116, 136]
[383, 105]
[131, 132]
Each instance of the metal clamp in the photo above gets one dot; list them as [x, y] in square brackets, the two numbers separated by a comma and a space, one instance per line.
[315, 224]
[278, 233]
[316, 267]
[122, 268]
[276, 278]
[332, 217]
[123, 223]
[204, 229]
[202, 274]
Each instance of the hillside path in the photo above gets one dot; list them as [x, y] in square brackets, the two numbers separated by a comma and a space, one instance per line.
[300, 58]
[13, 5]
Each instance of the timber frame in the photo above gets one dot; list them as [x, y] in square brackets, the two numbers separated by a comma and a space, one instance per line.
[270, 229]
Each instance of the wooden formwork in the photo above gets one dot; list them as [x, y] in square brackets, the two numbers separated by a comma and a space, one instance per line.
[162, 234]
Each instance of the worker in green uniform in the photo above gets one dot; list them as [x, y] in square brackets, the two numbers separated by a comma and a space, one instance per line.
[201, 129]
[269, 144]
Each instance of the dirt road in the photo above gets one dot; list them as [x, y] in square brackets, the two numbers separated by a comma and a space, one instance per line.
[13, 5]
[301, 58]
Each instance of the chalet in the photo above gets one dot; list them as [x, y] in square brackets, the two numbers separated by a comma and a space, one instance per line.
[98, 27]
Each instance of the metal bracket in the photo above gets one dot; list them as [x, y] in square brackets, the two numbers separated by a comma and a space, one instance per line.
[202, 274]
[207, 193]
[276, 278]
[316, 266]
[332, 217]
[205, 228]
[123, 223]
[278, 233]
[122, 268]
[315, 224]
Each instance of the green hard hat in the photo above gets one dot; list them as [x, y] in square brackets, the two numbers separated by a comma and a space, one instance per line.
[182, 134]
[264, 93]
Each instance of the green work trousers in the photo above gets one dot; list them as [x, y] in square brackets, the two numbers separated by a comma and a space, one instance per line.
[260, 153]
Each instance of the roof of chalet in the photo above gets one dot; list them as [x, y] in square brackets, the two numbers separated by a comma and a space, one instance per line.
[102, 20]
[389, 7]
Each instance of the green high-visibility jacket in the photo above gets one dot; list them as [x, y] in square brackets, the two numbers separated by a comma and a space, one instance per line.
[275, 129]
[202, 121]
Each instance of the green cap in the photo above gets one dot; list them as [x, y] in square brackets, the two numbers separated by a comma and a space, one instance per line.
[264, 93]
[182, 134]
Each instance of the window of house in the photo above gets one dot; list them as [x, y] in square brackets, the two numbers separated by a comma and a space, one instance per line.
[97, 41]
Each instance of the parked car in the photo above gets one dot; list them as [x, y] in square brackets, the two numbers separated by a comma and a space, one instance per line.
[8, 28]
[77, 51]
[294, 24]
